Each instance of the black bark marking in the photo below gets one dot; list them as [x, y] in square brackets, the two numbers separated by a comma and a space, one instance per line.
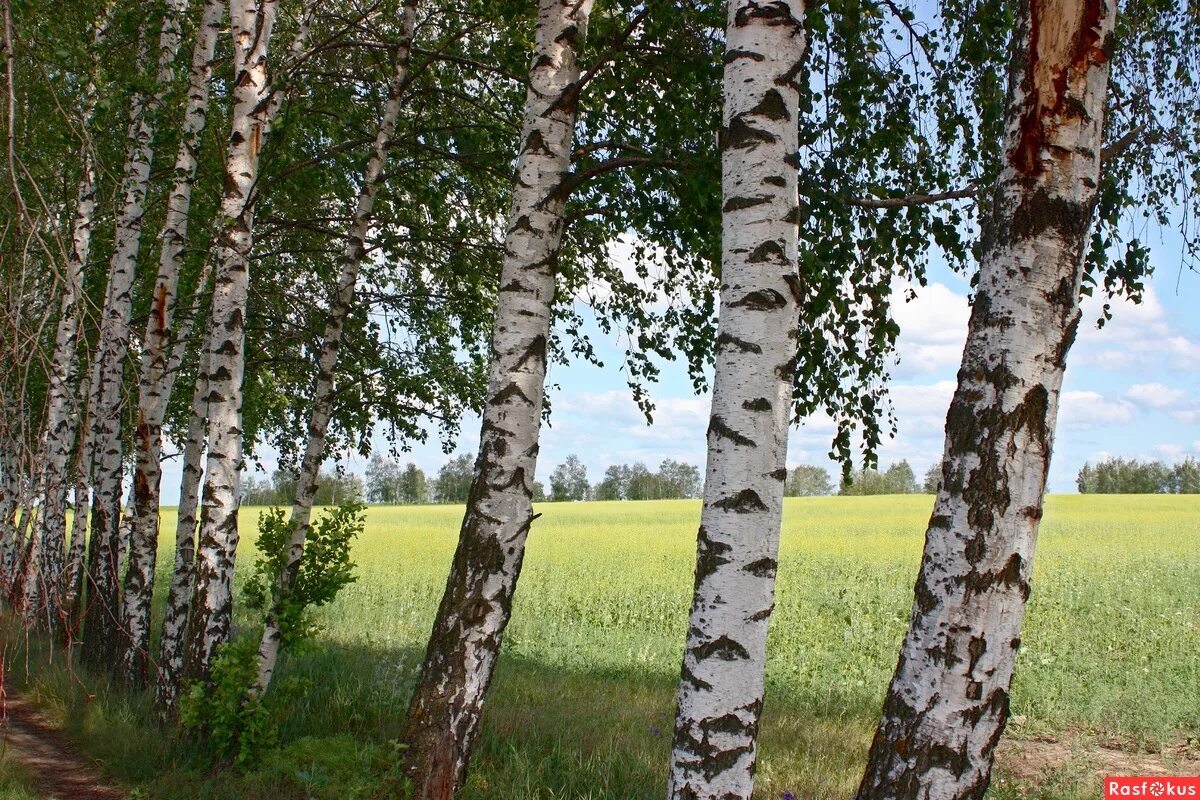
[975, 650]
[718, 428]
[536, 143]
[508, 393]
[741, 345]
[710, 555]
[734, 55]
[746, 501]
[758, 404]
[722, 648]
[740, 135]
[740, 203]
[772, 107]
[778, 474]
[771, 251]
[536, 350]
[762, 568]
[760, 300]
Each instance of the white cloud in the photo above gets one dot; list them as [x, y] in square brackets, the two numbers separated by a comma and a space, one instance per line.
[933, 328]
[1083, 410]
[1138, 337]
[1170, 452]
[1155, 395]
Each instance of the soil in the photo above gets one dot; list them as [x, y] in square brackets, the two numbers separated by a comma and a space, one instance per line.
[57, 768]
[1035, 758]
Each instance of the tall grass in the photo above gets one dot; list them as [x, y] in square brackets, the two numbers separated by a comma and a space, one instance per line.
[582, 704]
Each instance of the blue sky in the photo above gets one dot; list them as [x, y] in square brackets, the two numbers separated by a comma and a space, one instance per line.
[1131, 390]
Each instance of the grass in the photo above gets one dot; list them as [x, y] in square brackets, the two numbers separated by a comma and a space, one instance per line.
[583, 698]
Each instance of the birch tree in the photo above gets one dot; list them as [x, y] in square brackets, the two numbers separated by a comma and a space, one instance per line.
[156, 380]
[327, 357]
[948, 701]
[102, 614]
[211, 610]
[62, 412]
[721, 691]
[443, 718]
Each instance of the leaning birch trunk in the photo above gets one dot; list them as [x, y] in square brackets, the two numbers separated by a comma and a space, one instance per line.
[156, 380]
[947, 704]
[721, 689]
[62, 411]
[444, 714]
[323, 394]
[175, 618]
[102, 619]
[251, 22]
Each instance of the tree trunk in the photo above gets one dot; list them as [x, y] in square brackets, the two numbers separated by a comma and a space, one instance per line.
[72, 589]
[443, 717]
[212, 604]
[156, 380]
[721, 689]
[102, 621]
[947, 704]
[323, 394]
[175, 618]
[62, 411]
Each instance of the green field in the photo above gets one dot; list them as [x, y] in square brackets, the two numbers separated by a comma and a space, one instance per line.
[582, 704]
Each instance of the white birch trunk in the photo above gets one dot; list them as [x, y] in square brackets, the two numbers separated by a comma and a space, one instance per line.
[323, 392]
[175, 618]
[212, 603]
[721, 689]
[947, 705]
[72, 587]
[156, 379]
[62, 412]
[444, 715]
[103, 613]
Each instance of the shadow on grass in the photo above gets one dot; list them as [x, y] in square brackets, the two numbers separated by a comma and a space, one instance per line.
[548, 732]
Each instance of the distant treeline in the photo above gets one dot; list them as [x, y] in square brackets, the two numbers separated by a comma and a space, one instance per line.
[1120, 476]
[388, 482]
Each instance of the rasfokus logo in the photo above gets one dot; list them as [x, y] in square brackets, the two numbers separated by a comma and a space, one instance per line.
[1153, 787]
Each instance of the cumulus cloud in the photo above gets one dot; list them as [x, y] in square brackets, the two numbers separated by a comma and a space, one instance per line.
[1138, 337]
[1084, 410]
[933, 328]
[1156, 395]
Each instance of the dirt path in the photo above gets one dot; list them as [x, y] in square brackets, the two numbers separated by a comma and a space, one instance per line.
[57, 768]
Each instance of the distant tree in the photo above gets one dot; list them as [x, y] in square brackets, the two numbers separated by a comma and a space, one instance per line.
[641, 483]
[1121, 476]
[383, 476]
[615, 485]
[539, 492]
[412, 486]
[897, 479]
[677, 479]
[933, 478]
[1187, 477]
[257, 491]
[808, 481]
[453, 483]
[332, 489]
[569, 480]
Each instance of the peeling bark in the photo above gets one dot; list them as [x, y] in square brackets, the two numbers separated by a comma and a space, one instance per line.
[157, 377]
[721, 689]
[323, 391]
[102, 616]
[947, 704]
[444, 714]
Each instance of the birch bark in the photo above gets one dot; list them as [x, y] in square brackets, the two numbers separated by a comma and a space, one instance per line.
[444, 714]
[156, 380]
[102, 617]
[323, 392]
[721, 689]
[947, 704]
[62, 411]
[212, 603]
[175, 618]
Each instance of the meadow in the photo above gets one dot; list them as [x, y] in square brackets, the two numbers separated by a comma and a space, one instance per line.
[583, 698]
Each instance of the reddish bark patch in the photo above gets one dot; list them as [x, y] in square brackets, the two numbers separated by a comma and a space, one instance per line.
[1064, 43]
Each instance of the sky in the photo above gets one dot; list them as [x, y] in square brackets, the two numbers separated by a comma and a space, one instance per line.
[1132, 389]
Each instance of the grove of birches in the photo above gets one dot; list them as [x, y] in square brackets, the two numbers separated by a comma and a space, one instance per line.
[233, 225]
